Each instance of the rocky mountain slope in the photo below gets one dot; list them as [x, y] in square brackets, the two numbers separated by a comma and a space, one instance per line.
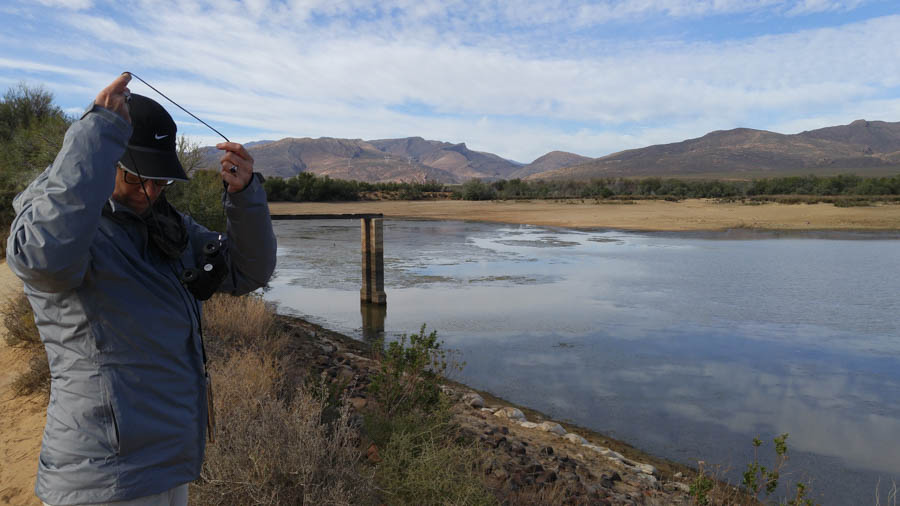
[862, 147]
[551, 161]
[412, 159]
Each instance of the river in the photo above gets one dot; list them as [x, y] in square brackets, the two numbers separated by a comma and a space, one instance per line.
[684, 345]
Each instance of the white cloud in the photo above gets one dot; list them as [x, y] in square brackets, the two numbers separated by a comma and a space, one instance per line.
[68, 4]
[815, 6]
[280, 68]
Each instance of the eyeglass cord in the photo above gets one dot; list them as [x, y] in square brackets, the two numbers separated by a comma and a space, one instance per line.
[132, 74]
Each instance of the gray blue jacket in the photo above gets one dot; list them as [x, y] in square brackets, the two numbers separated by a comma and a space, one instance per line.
[127, 410]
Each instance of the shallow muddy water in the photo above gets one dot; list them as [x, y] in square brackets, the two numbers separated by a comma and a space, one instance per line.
[686, 346]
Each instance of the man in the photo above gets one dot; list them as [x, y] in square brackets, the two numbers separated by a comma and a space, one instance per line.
[101, 253]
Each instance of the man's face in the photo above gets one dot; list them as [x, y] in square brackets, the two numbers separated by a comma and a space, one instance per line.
[128, 191]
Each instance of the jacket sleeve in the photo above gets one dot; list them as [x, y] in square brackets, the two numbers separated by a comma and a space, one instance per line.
[250, 240]
[57, 215]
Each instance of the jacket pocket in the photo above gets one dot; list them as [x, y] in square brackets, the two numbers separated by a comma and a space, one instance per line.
[112, 425]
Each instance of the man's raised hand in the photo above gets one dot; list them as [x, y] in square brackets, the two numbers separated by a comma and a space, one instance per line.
[113, 96]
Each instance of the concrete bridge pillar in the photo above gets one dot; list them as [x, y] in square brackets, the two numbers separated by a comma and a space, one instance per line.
[372, 290]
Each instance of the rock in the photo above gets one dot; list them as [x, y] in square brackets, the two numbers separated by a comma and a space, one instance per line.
[575, 438]
[647, 469]
[546, 477]
[357, 358]
[684, 487]
[473, 400]
[500, 473]
[568, 476]
[346, 373]
[552, 427]
[372, 454]
[534, 469]
[546, 451]
[511, 413]
[648, 478]
[358, 403]
[679, 475]
[615, 456]
[615, 476]
[528, 425]
[504, 430]
[326, 348]
[322, 360]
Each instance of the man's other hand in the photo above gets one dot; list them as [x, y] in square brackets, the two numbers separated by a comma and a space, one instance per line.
[238, 158]
[113, 96]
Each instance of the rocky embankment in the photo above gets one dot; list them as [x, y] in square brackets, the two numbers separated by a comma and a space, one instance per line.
[523, 451]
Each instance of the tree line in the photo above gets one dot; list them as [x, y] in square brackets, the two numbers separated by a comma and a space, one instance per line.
[308, 187]
[839, 185]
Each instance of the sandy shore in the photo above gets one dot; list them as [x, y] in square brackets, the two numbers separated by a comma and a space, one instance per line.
[22, 418]
[644, 215]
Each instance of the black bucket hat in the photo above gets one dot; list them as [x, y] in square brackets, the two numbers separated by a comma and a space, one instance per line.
[151, 151]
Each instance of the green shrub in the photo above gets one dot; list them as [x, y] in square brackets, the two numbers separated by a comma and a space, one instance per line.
[757, 477]
[409, 374]
[31, 132]
[475, 189]
[200, 198]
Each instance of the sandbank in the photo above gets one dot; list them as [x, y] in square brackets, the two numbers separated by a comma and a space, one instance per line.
[642, 215]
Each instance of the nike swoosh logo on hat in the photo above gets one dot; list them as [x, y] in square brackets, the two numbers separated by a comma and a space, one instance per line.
[158, 137]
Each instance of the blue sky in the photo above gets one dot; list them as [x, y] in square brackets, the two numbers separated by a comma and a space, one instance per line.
[514, 78]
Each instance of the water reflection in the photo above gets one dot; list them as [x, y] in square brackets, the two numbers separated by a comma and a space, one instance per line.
[685, 346]
[373, 316]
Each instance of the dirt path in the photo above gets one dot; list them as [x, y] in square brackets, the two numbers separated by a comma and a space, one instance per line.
[22, 419]
[694, 214]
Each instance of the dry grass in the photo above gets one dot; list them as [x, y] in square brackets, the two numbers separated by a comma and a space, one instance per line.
[21, 332]
[540, 495]
[36, 378]
[237, 320]
[18, 318]
[272, 451]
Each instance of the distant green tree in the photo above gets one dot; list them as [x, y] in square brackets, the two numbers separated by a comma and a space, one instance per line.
[201, 196]
[475, 189]
[32, 128]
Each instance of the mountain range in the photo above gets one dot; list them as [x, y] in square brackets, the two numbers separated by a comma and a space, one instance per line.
[862, 147]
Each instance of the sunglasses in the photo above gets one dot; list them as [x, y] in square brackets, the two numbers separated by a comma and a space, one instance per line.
[135, 179]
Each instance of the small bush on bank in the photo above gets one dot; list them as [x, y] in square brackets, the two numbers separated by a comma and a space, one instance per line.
[409, 374]
[708, 488]
[425, 462]
[272, 451]
[18, 318]
[35, 379]
[422, 457]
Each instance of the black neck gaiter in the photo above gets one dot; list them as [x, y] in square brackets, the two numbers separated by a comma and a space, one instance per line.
[165, 228]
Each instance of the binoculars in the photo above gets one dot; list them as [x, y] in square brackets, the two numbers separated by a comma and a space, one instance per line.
[203, 281]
